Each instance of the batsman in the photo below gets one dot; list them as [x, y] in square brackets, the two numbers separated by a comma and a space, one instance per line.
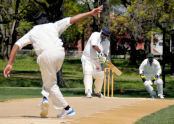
[95, 53]
[150, 71]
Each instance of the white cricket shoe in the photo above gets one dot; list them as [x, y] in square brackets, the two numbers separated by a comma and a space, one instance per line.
[161, 96]
[88, 95]
[65, 113]
[44, 108]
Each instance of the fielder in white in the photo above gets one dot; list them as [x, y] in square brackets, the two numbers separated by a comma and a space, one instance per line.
[96, 47]
[47, 44]
[150, 71]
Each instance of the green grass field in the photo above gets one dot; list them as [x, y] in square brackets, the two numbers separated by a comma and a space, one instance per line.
[18, 93]
[164, 116]
[26, 74]
[11, 93]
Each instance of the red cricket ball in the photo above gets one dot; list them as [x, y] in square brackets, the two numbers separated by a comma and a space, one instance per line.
[97, 68]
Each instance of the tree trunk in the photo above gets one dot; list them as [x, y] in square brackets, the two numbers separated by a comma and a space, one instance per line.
[172, 53]
[9, 33]
[96, 20]
[133, 54]
[105, 14]
[3, 40]
[105, 20]
[83, 40]
[54, 12]
[60, 80]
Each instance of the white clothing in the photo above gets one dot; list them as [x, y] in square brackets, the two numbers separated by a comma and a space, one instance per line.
[95, 39]
[90, 63]
[149, 88]
[90, 71]
[150, 71]
[48, 46]
[45, 36]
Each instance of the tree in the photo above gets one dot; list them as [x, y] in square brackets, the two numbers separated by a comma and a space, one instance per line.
[9, 21]
[52, 8]
[143, 17]
[105, 14]
[147, 15]
[12, 23]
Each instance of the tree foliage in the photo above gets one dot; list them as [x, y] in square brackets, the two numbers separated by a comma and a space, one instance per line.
[147, 15]
[143, 17]
[12, 12]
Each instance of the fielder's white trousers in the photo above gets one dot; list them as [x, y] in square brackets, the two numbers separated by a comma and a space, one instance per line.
[90, 71]
[149, 88]
[50, 62]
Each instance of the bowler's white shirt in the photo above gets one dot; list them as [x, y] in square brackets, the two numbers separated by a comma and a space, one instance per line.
[95, 39]
[148, 69]
[45, 36]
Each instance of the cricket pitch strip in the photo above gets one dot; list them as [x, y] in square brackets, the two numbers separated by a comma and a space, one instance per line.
[88, 110]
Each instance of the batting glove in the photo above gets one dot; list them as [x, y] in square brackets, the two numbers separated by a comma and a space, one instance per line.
[100, 54]
[103, 60]
[143, 77]
[153, 79]
[101, 57]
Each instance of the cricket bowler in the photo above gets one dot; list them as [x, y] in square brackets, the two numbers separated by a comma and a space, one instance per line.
[48, 46]
[95, 53]
[150, 71]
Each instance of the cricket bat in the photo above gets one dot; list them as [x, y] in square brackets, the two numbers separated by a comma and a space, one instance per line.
[113, 68]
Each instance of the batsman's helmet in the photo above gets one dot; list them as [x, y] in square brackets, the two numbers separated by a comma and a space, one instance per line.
[106, 31]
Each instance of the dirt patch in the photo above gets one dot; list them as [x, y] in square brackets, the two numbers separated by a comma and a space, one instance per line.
[88, 110]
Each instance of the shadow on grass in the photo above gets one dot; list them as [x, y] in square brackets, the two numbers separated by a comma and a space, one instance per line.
[132, 93]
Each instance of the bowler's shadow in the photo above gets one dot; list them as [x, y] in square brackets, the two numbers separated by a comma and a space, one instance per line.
[27, 116]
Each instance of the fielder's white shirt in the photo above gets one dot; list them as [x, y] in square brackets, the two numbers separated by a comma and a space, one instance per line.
[95, 39]
[148, 69]
[45, 36]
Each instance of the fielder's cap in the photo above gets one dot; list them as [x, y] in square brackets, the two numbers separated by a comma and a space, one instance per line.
[150, 55]
[106, 31]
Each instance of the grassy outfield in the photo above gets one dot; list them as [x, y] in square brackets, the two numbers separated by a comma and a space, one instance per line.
[164, 116]
[11, 93]
[18, 93]
[26, 73]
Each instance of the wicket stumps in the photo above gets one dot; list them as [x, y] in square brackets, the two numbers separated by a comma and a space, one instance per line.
[108, 79]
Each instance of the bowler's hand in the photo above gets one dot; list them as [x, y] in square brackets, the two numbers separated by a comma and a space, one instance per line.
[7, 70]
[97, 10]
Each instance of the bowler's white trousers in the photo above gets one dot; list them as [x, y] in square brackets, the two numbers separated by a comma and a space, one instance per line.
[50, 62]
[90, 70]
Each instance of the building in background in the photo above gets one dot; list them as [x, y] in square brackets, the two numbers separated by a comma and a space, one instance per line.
[157, 44]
